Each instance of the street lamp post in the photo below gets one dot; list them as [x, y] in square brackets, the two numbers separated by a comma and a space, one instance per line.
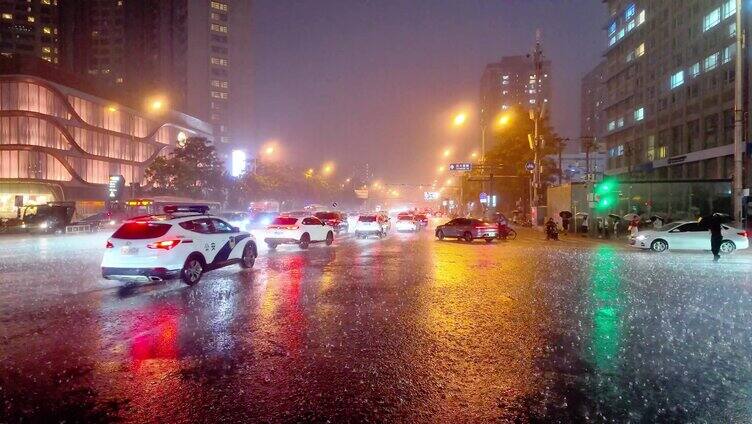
[738, 180]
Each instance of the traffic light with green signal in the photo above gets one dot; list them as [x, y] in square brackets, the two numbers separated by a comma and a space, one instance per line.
[606, 193]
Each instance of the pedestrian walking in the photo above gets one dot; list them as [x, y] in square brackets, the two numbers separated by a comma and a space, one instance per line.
[585, 224]
[634, 227]
[713, 224]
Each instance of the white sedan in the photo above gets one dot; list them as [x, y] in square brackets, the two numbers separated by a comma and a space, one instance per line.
[302, 231]
[688, 235]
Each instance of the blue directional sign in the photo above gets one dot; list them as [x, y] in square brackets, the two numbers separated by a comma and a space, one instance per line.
[460, 166]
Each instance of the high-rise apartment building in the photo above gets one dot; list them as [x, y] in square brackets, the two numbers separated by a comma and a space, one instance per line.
[670, 88]
[30, 28]
[193, 54]
[592, 115]
[512, 81]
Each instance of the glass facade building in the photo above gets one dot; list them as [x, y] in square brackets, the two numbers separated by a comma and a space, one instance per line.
[59, 143]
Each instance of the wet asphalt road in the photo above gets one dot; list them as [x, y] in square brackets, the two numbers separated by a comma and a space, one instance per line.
[406, 329]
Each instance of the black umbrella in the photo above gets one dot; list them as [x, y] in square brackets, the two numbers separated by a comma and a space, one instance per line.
[565, 214]
[614, 216]
[723, 218]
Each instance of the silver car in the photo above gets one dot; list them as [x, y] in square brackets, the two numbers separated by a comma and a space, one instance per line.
[467, 229]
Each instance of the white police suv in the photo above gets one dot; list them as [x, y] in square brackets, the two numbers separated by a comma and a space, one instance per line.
[183, 242]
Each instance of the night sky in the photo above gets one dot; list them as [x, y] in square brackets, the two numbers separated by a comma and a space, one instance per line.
[377, 81]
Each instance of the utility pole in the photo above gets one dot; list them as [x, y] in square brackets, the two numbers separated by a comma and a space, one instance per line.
[739, 145]
[536, 115]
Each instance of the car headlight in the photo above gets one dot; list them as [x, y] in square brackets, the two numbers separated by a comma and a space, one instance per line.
[43, 225]
[112, 222]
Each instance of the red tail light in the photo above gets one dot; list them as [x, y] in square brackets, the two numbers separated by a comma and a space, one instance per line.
[743, 233]
[282, 227]
[108, 245]
[164, 244]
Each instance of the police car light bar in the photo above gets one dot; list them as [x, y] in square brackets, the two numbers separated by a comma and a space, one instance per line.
[202, 209]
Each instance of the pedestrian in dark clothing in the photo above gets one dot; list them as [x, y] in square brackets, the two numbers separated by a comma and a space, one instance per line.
[713, 223]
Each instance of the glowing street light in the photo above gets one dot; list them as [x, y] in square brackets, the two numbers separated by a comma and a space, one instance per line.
[269, 150]
[504, 119]
[328, 168]
[440, 169]
[473, 155]
[460, 119]
[157, 104]
[447, 152]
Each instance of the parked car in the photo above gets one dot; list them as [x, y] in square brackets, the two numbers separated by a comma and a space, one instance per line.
[688, 235]
[302, 231]
[467, 229]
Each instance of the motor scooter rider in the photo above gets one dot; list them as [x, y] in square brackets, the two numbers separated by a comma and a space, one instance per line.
[503, 225]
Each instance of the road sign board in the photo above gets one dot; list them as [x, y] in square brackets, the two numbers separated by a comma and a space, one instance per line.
[460, 166]
[529, 165]
[431, 195]
[361, 193]
[484, 197]
[115, 187]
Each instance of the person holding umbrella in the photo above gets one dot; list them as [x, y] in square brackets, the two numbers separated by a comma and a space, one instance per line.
[634, 223]
[565, 217]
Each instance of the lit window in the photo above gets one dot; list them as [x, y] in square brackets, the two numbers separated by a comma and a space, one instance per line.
[46, 49]
[47, 30]
[612, 125]
[119, 80]
[640, 50]
[677, 79]
[504, 107]
[505, 82]
[612, 28]
[611, 41]
[219, 28]
[620, 34]
[30, 19]
[219, 61]
[219, 84]
[729, 53]
[694, 70]
[712, 19]
[630, 56]
[640, 18]
[505, 77]
[620, 150]
[620, 122]
[7, 16]
[639, 114]
[219, 6]
[661, 152]
[218, 95]
[729, 8]
[47, 58]
[732, 29]
[629, 12]
[711, 62]
[46, 1]
[630, 25]
[532, 101]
